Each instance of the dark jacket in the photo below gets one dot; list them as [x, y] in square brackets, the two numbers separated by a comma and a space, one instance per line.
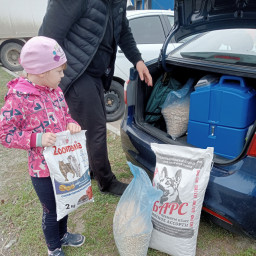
[79, 27]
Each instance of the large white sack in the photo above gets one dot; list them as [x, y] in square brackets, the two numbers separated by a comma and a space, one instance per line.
[182, 173]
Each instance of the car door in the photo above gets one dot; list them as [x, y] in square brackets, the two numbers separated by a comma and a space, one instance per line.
[149, 33]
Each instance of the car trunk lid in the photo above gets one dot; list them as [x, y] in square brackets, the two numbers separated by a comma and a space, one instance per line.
[193, 17]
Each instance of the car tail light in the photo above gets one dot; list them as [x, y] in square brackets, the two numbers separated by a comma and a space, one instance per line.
[217, 215]
[252, 147]
[125, 92]
[227, 57]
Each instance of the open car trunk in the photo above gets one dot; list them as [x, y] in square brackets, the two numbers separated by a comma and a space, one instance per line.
[159, 130]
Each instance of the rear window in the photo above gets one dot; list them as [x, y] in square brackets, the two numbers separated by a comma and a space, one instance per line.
[234, 46]
[171, 19]
[147, 30]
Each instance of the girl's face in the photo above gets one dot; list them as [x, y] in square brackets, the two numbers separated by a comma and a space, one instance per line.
[53, 77]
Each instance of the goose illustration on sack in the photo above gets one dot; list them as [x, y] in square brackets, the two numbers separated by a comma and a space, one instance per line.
[169, 186]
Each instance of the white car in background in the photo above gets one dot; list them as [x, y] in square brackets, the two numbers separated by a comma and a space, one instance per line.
[149, 28]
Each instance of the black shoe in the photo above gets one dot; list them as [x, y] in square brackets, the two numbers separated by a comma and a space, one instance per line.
[70, 239]
[116, 188]
[91, 175]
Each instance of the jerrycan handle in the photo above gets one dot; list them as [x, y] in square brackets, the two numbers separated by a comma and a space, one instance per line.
[232, 78]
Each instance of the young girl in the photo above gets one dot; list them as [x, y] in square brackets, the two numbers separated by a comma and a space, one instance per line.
[34, 110]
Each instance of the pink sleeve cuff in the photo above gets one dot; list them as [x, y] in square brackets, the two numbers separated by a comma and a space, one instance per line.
[36, 140]
[33, 140]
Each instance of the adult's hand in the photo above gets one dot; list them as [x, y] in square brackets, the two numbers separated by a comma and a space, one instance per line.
[144, 73]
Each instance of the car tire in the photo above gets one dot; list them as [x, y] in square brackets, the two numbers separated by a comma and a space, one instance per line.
[114, 102]
[10, 54]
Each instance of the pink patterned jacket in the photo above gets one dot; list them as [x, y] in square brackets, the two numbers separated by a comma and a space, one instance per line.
[31, 109]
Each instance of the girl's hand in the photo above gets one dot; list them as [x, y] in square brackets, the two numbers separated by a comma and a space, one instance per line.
[73, 128]
[48, 139]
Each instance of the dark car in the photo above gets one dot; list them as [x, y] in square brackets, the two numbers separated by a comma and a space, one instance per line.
[221, 61]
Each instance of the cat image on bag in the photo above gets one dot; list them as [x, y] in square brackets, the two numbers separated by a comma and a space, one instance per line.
[74, 163]
[65, 168]
[169, 186]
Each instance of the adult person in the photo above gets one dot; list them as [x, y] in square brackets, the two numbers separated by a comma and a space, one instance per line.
[89, 32]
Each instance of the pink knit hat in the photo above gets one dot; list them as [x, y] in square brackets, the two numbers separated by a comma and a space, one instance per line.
[41, 54]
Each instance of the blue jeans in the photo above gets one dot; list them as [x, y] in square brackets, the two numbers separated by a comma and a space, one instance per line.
[53, 230]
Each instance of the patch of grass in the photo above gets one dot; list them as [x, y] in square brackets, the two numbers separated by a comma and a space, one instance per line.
[20, 218]
[249, 252]
[20, 212]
